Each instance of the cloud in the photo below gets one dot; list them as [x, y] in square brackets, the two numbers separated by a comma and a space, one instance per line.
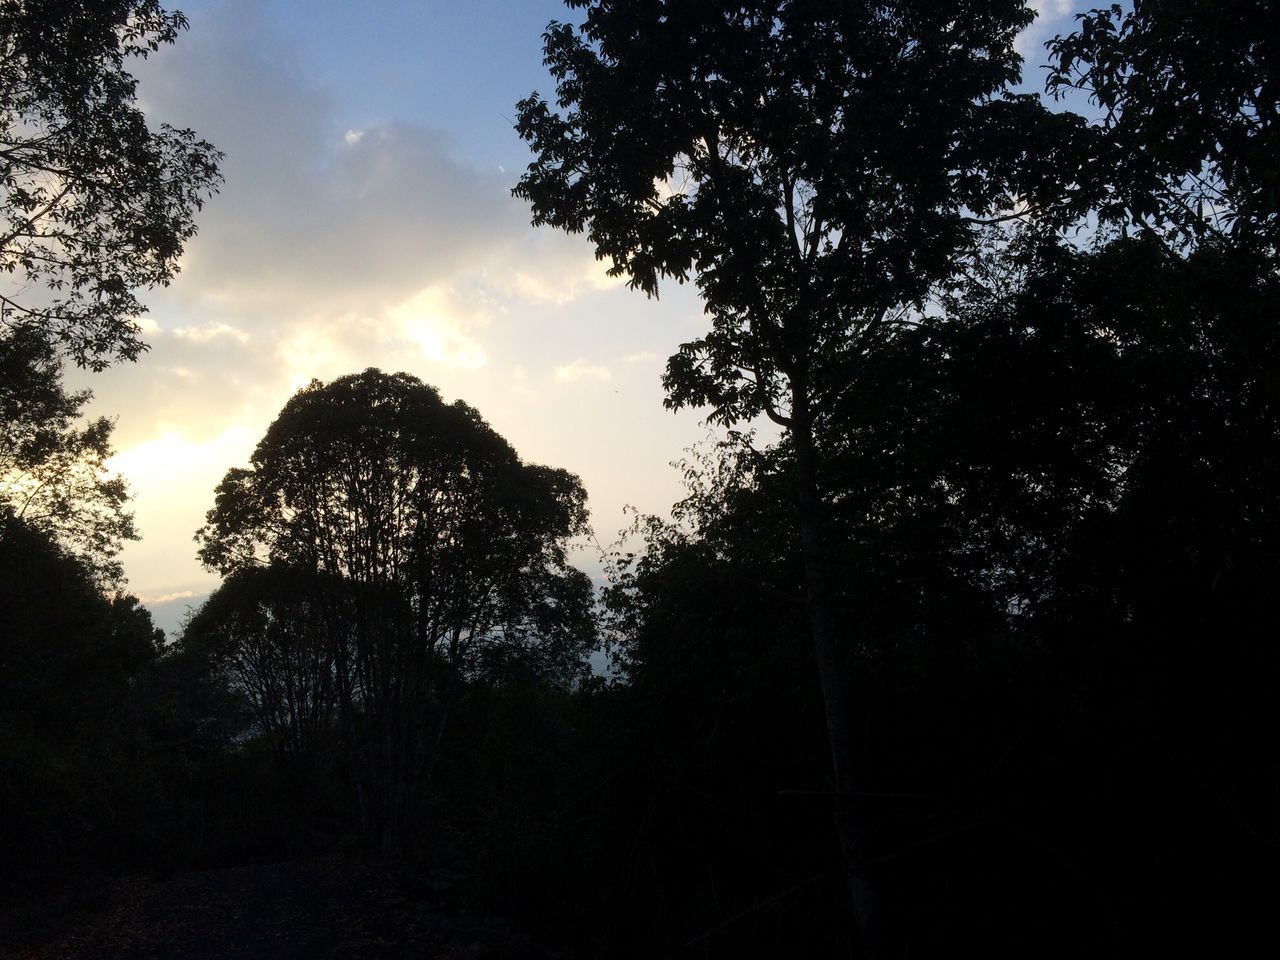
[175, 460]
[437, 325]
[170, 597]
[343, 239]
[311, 216]
[175, 450]
[573, 276]
[322, 227]
[1051, 17]
[581, 370]
[205, 334]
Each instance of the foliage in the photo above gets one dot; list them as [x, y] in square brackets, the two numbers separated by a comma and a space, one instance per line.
[53, 470]
[95, 204]
[268, 637]
[418, 504]
[1058, 536]
[68, 656]
[435, 555]
[817, 166]
[1067, 520]
[1191, 100]
[822, 169]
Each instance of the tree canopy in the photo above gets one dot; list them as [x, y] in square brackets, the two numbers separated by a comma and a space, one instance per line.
[1191, 101]
[94, 204]
[815, 166]
[53, 469]
[373, 478]
[433, 550]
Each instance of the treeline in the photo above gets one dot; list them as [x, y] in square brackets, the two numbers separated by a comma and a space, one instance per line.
[978, 656]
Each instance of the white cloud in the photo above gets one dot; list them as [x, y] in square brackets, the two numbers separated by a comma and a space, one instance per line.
[581, 370]
[207, 333]
[173, 450]
[568, 277]
[1051, 18]
[174, 460]
[170, 597]
[314, 354]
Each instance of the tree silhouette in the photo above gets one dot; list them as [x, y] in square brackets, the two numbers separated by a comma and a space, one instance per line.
[69, 657]
[1192, 108]
[820, 168]
[95, 204]
[270, 635]
[1054, 515]
[448, 549]
[52, 468]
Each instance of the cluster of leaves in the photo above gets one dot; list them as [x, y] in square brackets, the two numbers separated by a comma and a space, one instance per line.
[1190, 94]
[373, 479]
[1031, 482]
[53, 471]
[816, 166]
[95, 205]
[1056, 526]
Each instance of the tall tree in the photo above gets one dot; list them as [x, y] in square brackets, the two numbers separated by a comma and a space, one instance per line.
[94, 204]
[819, 167]
[449, 545]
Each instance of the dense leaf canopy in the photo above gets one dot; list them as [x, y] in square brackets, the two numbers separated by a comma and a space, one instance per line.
[373, 478]
[1191, 97]
[384, 549]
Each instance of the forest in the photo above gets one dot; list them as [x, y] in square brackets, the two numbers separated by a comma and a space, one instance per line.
[971, 654]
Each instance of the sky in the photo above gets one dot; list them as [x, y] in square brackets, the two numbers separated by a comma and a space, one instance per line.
[366, 221]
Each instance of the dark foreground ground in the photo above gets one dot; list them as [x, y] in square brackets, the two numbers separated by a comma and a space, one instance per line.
[286, 911]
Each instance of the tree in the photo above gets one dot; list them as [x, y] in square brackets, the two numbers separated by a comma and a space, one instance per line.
[53, 467]
[1054, 513]
[1192, 105]
[1089, 439]
[819, 167]
[69, 657]
[447, 546]
[94, 204]
[269, 634]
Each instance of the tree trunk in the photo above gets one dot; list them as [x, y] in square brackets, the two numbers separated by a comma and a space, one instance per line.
[850, 826]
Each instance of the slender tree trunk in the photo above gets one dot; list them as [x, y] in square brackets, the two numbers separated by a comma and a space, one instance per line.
[850, 825]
